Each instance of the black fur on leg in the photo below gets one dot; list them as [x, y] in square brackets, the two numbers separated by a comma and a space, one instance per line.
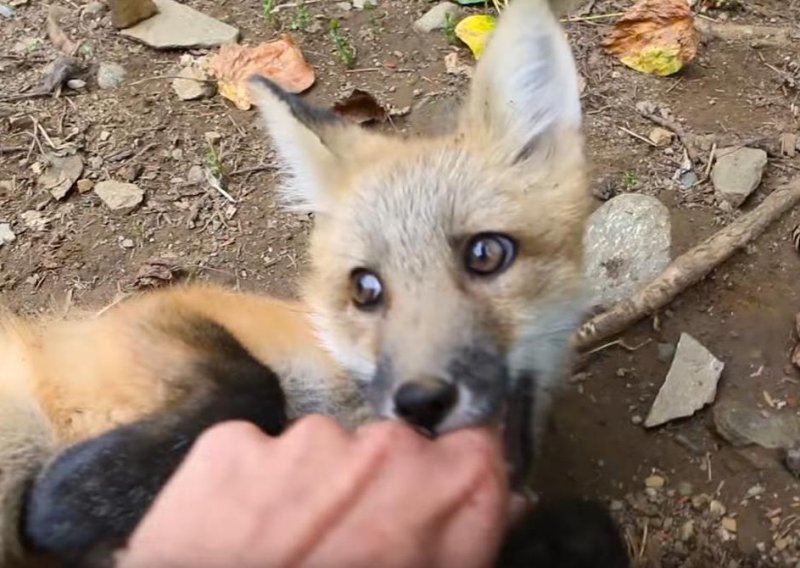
[565, 534]
[91, 497]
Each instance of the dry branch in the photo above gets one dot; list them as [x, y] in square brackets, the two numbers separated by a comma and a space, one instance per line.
[758, 36]
[689, 268]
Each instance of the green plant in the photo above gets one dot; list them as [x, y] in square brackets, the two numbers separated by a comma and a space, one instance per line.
[267, 10]
[629, 180]
[214, 162]
[449, 29]
[374, 19]
[301, 18]
[344, 50]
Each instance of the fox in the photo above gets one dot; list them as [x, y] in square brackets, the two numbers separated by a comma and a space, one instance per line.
[444, 284]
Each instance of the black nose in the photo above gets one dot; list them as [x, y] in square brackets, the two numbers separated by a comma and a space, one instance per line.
[425, 402]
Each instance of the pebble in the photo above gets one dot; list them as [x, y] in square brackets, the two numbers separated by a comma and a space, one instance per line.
[436, 17]
[687, 530]
[361, 4]
[628, 244]
[96, 162]
[95, 7]
[737, 173]
[60, 175]
[179, 26]
[34, 220]
[6, 234]
[85, 185]
[636, 419]
[716, 508]
[729, 524]
[196, 175]
[76, 84]
[127, 243]
[118, 195]
[691, 383]
[661, 137]
[192, 83]
[654, 482]
[110, 75]
[666, 352]
[685, 488]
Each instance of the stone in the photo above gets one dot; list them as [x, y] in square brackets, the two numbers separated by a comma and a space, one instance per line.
[742, 425]
[361, 4]
[127, 243]
[34, 220]
[790, 143]
[179, 26]
[110, 75]
[125, 13]
[729, 524]
[85, 185]
[7, 236]
[196, 175]
[687, 531]
[737, 173]
[628, 242]
[666, 352]
[118, 195]
[661, 137]
[654, 482]
[95, 7]
[76, 84]
[192, 83]
[436, 17]
[691, 383]
[62, 173]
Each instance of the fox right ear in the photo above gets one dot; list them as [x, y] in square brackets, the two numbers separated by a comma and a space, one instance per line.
[525, 84]
[315, 147]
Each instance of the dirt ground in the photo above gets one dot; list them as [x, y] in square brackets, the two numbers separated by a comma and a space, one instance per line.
[744, 312]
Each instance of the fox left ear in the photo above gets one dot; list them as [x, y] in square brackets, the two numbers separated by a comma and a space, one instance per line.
[525, 85]
[315, 147]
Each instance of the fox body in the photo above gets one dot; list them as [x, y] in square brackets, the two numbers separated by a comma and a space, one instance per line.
[444, 284]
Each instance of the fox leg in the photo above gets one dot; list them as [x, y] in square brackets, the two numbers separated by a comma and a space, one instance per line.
[89, 499]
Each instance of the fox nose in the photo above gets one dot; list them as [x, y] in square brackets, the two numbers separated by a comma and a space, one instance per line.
[425, 402]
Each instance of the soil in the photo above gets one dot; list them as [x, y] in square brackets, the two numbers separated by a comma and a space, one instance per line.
[743, 312]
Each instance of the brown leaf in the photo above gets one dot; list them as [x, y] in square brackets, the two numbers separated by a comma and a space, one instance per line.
[280, 60]
[655, 36]
[60, 39]
[360, 107]
[155, 273]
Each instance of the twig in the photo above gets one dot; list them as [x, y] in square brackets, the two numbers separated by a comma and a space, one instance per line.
[587, 9]
[261, 168]
[295, 5]
[591, 18]
[690, 267]
[673, 125]
[12, 149]
[638, 136]
[620, 343]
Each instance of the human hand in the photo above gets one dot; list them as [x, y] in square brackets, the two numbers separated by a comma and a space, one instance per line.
[321, 496]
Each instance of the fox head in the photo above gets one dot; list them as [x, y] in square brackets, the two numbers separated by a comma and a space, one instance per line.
[446, 271]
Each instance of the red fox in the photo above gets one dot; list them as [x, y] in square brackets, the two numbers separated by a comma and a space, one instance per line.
[445, 283]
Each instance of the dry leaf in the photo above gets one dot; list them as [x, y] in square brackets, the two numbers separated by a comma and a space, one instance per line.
[475, 31]
[280, 60]
[360, 107]
[655, 36]
[155, 273]
[60, 39]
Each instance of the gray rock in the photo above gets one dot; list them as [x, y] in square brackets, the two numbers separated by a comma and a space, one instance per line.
[6, 234]
[76, 84]
[192, 83]
[62, 173]
[744, 425]
[436, 17]
[179, 26]
[666, 352]
[627, 245]
[737, 173]
[110, 75]
[691, 383]
[195, 175]
[118, 195]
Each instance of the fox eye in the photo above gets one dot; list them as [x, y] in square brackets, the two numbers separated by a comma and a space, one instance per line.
[489, 253]
[366, 289]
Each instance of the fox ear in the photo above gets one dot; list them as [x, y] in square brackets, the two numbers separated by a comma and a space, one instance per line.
[525, 85]
[314, 146]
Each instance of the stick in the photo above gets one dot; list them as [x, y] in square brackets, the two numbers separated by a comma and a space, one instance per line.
[689, 268]
[673, 125]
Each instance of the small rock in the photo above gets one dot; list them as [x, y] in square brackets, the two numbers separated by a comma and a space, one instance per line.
[716, 508]
[654, 482]
[738, 172]
[179, 26]
[691, 383]
[666, 352]
[195, 175]
[687, 531]
[125, 13]
[76, 84]
[661, 137]
[616, 506]
[118, 195]
[790, 143]
[34, 220]
[743, 425]
[110, 75]
[688, 179]
[59, 177]
[685, 488]
[605, 188]
[636, 420]
[6, 234]
[85, 185]
[212, 137]
[344, 6]
[104, 135]
[177, 154]
[127, 243]
[436, 17]
[628, 244]
[792, 460]
[729, 524]
[95, 8]
[96, 162]
[192, 83]
[361, 4]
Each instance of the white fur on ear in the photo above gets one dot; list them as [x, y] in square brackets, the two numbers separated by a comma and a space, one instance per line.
[526, 82]
[305, 161]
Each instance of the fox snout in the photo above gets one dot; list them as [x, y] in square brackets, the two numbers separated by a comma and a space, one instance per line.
[469, 390]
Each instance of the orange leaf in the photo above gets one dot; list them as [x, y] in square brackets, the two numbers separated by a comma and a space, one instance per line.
[280, 60]
[655, 36]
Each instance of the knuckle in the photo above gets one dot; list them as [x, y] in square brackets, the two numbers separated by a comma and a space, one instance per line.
[226, 437]
[391, 435]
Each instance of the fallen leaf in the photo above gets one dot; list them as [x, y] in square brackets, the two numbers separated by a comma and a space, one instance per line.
[360, 107]
[454, 67]
[280, 60]
[656, 37]
[155, 273]
[59, 38]
[475, 31]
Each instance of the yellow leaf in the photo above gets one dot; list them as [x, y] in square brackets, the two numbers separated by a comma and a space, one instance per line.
[475, 32]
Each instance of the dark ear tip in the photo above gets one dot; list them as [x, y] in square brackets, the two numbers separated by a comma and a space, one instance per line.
[256, 80]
